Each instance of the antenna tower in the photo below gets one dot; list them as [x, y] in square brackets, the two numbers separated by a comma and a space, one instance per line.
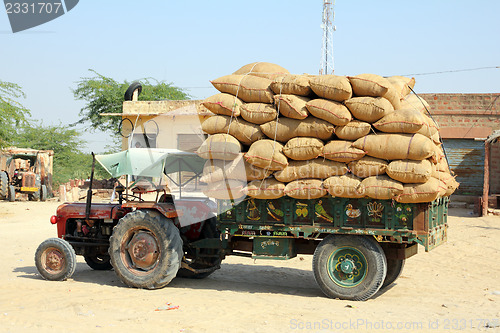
[326, 64]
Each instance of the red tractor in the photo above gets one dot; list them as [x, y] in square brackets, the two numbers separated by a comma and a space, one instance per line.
[147, 243]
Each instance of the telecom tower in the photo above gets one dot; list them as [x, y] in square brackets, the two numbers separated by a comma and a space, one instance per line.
[326, 65]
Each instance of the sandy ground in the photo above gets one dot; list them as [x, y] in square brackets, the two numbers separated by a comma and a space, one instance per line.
[456, 286]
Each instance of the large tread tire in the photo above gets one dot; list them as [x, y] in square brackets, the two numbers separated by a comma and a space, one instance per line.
[145, 238]
[12, 193]
[394, 269]
[209, 230]
[4, 185]
[98, 262]
[362, 252]
[55, 259]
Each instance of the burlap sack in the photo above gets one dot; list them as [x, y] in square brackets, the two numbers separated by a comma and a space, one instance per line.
[401, 121]
[318, 168]
[415, 193]
[303, 148]
[334, 87]
[331, 111]
[451, 185]
[416, 103]
[305, 189]
[248, 88]
[342, 151]
[369, 109]
[430, 128]
[224, 104]
[346, 186]
[220, 147]
[247, 133]
[354, 130]
[291, 106]
[267, 154]
[396, 146]
[410, 171]
[442, 188]
[258, 113]
[402, 84]
[292, 85]
[449, 181]
[265, 189]
[381, 187]
[237, 169]
[263, 69]
[369, 85]
[225, 189]
[368, 166]
[285, 129]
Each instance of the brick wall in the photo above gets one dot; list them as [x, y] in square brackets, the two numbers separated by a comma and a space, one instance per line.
[469, 116]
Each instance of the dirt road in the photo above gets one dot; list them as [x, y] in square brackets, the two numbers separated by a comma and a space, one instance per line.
[457, 285]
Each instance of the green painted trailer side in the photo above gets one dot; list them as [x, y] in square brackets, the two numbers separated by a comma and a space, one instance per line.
[275, 226]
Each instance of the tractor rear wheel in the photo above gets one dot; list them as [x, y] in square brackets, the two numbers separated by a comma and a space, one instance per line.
[4, 185]
[145, 249]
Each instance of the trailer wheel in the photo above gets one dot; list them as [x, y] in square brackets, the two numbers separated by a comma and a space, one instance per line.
[394, 269]
[4, 185]
[55, 259]
[145, 249]
[349, 267]
[98, 262]
[209, 230]
[12, 193]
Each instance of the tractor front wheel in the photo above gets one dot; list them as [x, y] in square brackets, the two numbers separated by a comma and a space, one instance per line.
[12, 193]
[55, 259]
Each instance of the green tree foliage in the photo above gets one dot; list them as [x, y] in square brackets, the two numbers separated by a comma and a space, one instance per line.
[12, 113]
[105, 95]
[69, 161]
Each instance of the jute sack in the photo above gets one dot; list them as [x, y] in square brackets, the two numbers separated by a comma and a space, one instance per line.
[247, 133]
[263, 69]
[354, 130]
[451, 185]
[305, 189]
[369, 85]
[220, 147]
[414, 193]
[303, 148]
[248, 88]
[442, 188]
[416, 103]
[265, 189]
[401, 121]
[225, 189]
[402, 84]
[331, 111]
[393, 96]
[368, 166]
[291, 106]
[346, 186]
[258, 113]
[410, 171]
[267, 154]
[318, 168]
[238, 169]
[430, 128]
[224, 104]
[334, 87]
[292, 85]
[342, 151]
[369, 109]
[396, 146]
[449, 181]
[381, 187]
[285, 129]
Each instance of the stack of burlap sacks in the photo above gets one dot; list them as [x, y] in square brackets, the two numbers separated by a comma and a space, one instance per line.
[275, 134]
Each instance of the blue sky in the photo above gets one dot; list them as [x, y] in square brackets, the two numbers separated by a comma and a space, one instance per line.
[189, 43]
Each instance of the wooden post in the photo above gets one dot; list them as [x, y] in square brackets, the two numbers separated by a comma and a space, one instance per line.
[486, 185]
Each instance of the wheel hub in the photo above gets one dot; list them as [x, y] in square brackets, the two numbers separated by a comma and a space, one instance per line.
[143, 250]
[347, 266]
[54, 260]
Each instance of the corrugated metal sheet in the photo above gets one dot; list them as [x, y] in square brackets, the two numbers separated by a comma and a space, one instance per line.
[466, 159]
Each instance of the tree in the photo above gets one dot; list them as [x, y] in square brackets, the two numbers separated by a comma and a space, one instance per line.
[105, 95]
[69, 161]
[12, 113]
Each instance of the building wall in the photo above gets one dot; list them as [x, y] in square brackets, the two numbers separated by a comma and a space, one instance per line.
[469, 116]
